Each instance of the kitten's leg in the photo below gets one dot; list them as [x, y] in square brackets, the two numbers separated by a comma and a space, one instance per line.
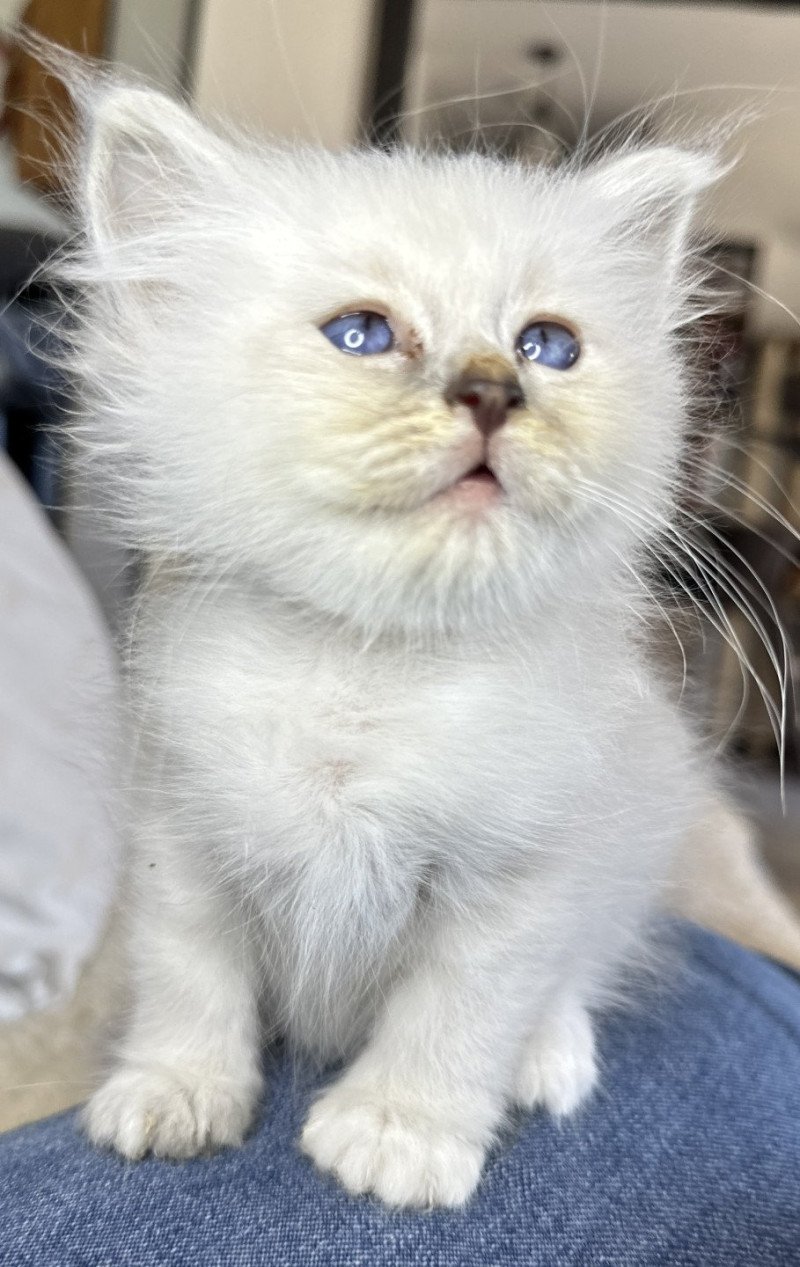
[558, 1068]
[189, 1072]
[412, 1118]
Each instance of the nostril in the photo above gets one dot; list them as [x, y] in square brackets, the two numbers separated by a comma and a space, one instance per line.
[473, 395]
[488, 399]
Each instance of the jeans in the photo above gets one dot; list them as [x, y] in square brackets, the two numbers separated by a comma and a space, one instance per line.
[688, 1154]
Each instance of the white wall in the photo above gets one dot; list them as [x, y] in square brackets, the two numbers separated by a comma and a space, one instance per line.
[290, 68]
[149, 36]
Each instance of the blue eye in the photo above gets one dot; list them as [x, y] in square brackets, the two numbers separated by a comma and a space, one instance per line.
[360, 333]
[548, 343]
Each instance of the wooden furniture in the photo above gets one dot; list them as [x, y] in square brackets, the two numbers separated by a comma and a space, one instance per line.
[38, 115]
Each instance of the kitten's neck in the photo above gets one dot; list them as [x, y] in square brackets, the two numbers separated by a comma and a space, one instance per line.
[562, 614]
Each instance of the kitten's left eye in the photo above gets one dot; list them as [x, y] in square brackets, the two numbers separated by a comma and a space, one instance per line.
[360, 333]
[549, 343]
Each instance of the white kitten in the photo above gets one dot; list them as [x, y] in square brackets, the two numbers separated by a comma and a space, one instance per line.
[405, 785]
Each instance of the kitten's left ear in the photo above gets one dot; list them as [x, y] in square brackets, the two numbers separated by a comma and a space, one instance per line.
[651, 194]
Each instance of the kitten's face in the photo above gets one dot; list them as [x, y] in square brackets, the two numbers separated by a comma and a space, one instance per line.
[427, 461]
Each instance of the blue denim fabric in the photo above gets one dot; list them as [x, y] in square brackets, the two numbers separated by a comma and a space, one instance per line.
[689, 1154]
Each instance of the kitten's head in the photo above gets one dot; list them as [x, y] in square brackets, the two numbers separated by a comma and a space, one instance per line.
[390, 384]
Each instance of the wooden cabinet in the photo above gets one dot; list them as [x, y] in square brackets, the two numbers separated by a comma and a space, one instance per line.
[38, 113]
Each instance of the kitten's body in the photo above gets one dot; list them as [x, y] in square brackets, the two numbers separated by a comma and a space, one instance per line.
[406, 785]
[454, 852]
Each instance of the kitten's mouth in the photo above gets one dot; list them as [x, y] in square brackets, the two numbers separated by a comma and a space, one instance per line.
[478, 487]
[481, 472]
[480, 477]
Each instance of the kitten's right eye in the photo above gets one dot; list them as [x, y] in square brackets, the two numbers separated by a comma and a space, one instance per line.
[359, 333]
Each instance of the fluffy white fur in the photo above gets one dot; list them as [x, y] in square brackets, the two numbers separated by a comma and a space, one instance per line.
[406, 788]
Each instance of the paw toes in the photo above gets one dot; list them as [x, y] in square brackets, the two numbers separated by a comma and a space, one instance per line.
[404, 1158]
[559, 1067]
[139, 1111]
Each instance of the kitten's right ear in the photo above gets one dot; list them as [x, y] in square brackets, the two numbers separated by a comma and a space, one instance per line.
[651, 193]
[145, 159]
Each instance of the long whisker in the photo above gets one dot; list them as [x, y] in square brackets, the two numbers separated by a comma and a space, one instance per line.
[734, 586]
[602, 32]
[719, 621]
[728, 478]
[758, 290]
[714, 571]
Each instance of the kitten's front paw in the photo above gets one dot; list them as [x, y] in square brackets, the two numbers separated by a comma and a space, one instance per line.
[559, 1065]
[405, 1156]
[171, 1113]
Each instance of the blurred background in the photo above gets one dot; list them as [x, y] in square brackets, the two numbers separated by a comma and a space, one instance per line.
[531, 80]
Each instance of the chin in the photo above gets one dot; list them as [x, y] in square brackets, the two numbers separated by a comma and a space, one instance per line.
[461, 564]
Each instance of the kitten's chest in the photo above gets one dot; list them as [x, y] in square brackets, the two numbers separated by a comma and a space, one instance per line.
[307, 745]
[313, 746]
[365, 745]
[357, 819]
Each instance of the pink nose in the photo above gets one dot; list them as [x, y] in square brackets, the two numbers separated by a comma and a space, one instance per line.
[488, 400]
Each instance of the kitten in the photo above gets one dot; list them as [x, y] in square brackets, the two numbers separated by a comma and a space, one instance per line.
[391, 433]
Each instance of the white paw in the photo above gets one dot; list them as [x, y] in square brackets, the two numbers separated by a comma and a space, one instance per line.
[559, 1064]
[153, 1109]
[402, 1154]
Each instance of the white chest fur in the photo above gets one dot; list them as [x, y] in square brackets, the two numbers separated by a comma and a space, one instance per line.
[343, 787]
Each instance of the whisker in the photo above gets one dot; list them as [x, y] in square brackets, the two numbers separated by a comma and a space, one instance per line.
[713, 571]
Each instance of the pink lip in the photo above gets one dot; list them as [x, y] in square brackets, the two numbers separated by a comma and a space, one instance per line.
[477, 488]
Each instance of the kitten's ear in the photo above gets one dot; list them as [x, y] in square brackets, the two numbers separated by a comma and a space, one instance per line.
[145, 158]
[651, 195]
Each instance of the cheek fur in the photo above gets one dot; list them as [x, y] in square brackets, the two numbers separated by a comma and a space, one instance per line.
[384, 450]
[585, 429]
